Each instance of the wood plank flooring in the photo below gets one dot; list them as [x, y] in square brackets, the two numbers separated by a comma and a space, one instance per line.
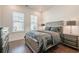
[62, 49]
[19, 47]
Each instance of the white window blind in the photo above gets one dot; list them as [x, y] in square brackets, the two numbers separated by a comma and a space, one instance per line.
[33, 22]
[18, 21]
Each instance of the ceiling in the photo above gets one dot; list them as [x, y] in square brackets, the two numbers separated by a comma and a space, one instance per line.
[40, 8]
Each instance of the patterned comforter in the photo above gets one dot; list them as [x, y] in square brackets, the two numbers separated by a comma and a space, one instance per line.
[44, 39]
[55, 36]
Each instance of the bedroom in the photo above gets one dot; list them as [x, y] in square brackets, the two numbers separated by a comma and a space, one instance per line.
[17, 22]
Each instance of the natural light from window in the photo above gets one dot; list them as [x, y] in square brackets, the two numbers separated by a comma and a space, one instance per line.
[18, 21]
[34, 22]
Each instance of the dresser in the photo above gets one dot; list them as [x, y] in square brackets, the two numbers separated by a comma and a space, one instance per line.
[4, 38]
[70, 40]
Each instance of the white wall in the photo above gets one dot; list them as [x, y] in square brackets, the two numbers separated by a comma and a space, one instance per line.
[63, 13]
[6, 13]
[57, 13]
[0, 16]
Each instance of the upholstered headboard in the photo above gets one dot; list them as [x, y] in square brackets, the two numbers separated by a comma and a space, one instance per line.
[54, 26]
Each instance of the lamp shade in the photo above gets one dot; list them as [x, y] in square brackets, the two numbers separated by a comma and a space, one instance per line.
[71, 23]
[42, 24]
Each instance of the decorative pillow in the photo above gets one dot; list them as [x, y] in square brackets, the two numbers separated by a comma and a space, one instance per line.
[55, 29]
[47, 28]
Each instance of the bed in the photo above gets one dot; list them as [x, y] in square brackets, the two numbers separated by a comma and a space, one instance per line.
[41, 41]
[38, 41]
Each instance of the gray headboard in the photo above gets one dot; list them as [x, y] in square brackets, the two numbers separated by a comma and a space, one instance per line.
[54, 26]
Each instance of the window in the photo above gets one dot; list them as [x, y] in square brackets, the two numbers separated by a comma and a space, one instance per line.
[33, 22]
[18, 21]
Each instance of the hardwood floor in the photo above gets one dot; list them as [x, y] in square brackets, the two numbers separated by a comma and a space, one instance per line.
[19, 47]
[62, 49]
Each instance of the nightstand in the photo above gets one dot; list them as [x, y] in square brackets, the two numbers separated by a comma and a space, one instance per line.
[70, 40]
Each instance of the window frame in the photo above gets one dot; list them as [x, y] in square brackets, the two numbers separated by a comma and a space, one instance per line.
[35, 21]
[18, 22]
